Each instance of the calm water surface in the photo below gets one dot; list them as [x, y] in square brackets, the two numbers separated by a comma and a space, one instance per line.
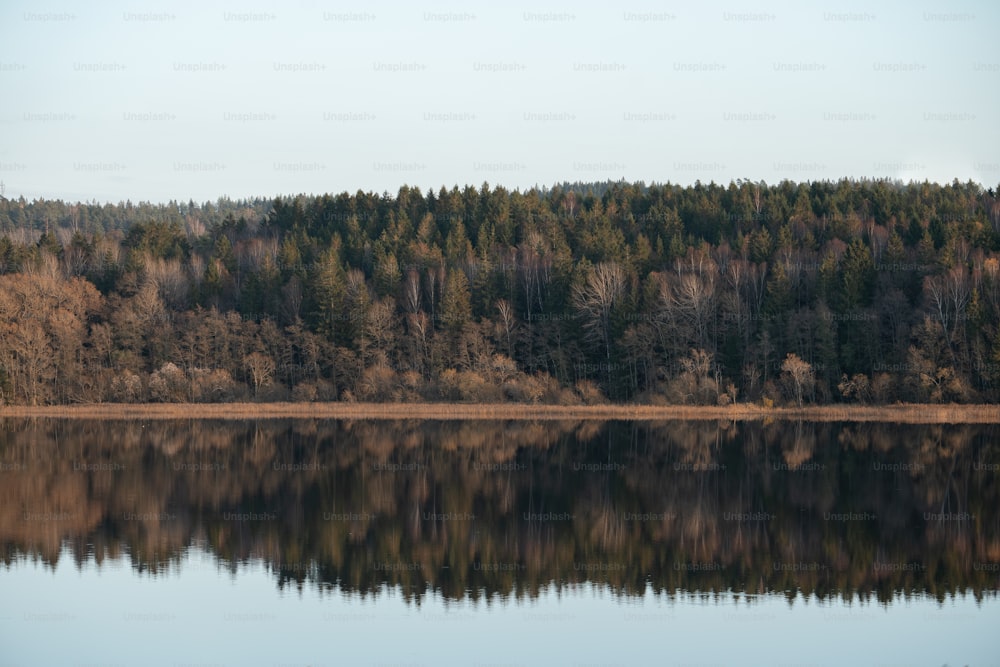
[302, 542]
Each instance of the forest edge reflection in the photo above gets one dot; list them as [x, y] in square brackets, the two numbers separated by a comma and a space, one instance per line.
[481, 509]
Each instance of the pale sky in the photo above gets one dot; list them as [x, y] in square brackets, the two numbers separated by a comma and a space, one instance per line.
[197, 100]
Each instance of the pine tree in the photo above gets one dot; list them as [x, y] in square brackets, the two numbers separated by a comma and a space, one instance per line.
[456, 305]
[327, 292]
[857, 275]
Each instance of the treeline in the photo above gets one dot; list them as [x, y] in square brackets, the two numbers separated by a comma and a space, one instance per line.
[515, 509]
[866, 291]
[42, 215]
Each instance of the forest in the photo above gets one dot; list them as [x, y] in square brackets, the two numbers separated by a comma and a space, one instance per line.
[855, 291]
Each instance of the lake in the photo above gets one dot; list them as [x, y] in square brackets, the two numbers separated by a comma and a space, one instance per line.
[326, 542]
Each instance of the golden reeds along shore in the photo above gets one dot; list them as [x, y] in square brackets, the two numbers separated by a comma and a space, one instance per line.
[901, 413]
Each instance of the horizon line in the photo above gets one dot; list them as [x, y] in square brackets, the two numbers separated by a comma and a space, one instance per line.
[899, 182]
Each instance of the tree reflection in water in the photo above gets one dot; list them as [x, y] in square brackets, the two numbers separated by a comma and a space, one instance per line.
[478, 509]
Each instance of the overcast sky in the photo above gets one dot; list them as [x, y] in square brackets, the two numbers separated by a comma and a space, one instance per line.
[197, 100]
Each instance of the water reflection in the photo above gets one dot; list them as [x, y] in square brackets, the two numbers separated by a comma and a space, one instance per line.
[471, 511]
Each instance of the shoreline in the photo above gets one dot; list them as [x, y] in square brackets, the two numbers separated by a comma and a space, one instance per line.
[899, 413]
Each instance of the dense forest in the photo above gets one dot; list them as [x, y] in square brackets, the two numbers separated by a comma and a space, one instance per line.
[869, 291]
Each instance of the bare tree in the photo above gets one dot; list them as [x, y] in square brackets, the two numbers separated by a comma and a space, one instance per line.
[418, 327]
[291, 300]
[256, 253]
[958, 292]
[380, 329]
[534, 265]
[949, 295]
[33, 365]
[411, 291]
[693, 299]
[596, 299]
[170, 279]
[688, 300]
[435, 285]
[507, 322]
[260, 367]
[800, 374]
[695, 382]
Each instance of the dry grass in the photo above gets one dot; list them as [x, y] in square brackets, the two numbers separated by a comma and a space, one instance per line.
[901, 413]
